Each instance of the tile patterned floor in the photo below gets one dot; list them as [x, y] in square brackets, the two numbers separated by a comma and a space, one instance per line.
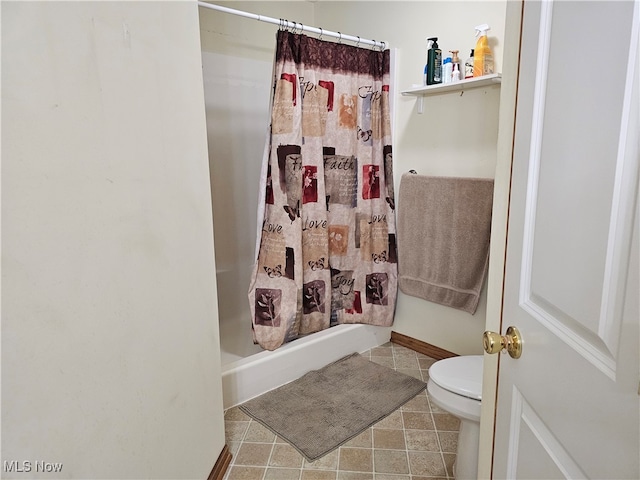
[416, 442]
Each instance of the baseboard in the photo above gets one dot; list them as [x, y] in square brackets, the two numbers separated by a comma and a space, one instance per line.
[421, 347]
[220, 468]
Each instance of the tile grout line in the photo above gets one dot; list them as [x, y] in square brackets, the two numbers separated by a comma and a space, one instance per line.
[266, 467]
[437, 430]
[404, 434]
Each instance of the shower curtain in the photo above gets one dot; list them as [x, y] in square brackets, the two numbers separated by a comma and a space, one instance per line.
[327, 242]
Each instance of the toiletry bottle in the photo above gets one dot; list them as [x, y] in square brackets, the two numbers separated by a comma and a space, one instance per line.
[483, 58]
[455, 74]
[434, 62]
[468, 66]
[447, 70]
[456, 60]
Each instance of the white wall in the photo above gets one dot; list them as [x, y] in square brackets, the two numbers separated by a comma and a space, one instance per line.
[110, 348]
[456, 135]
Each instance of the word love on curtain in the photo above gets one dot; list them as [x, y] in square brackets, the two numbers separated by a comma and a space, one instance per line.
[327, 250]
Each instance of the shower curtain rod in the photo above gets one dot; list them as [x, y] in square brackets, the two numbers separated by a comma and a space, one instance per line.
[295, 25]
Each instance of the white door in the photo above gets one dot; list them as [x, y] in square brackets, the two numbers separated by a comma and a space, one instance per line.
[569, 407]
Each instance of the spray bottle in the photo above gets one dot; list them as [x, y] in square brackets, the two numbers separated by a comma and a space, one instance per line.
[483, 58]
[434, 62]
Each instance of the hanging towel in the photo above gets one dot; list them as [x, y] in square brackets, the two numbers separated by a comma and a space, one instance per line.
[443, 229]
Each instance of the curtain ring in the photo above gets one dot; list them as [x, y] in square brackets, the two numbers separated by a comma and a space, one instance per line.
[301, 28]
[320, 37]
[358, 44]
[382, 46]
[339, 37]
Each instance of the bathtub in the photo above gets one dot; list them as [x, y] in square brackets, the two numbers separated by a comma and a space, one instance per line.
[251, 376]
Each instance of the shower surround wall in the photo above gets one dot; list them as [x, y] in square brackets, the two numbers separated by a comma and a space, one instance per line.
[236, 101]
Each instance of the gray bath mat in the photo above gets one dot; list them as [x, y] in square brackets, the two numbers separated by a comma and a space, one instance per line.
[325, 408]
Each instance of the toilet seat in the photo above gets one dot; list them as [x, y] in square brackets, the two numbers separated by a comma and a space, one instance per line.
[460, 375]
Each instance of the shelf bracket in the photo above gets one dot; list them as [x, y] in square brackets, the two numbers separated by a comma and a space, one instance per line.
[420, 104]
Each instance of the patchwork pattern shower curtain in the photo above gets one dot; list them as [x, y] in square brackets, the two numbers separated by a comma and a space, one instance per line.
[327, 252]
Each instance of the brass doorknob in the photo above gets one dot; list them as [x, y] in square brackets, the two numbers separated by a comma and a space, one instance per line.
[494, 342]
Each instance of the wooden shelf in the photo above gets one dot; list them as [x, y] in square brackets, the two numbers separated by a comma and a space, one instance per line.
[476, 82]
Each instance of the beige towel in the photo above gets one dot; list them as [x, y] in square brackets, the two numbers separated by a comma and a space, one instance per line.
[443, 229]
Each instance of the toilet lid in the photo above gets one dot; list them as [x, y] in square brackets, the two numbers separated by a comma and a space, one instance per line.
[461, 375]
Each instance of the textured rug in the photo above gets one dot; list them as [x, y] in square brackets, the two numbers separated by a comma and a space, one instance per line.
[325, 408]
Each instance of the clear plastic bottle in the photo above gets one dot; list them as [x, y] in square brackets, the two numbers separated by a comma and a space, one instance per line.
[455, 74]
[456, 60]
[447, 70]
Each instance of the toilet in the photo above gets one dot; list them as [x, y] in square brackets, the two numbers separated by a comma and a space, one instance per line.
[455, 385]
